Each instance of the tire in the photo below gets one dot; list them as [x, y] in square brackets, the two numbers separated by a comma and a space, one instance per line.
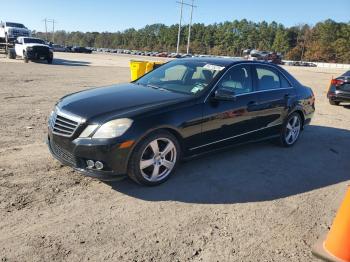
[26, 60]
[49, 60]
[157, 167]
[291, 130]
[11, 54]
[334, 103]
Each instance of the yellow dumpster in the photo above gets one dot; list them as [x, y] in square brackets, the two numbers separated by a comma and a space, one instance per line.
[137, 69]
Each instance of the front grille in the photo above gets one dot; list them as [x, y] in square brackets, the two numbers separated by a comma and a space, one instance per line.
[41, 50]
[63, 154]
[63, 125]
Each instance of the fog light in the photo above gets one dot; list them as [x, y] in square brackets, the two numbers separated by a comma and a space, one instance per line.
[90, 163]
[98, 165]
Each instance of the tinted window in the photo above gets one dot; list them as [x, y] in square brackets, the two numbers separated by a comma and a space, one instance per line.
[238, 79]
[346, 73]
[9, 24]
[33, 40]
[268, 78]
[284, 82]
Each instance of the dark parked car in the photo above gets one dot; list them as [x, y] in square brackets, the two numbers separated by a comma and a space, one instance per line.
[339, 89]
[183, 108]
[80, 49]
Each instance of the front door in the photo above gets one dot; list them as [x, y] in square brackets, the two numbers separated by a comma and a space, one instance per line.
[224, 122]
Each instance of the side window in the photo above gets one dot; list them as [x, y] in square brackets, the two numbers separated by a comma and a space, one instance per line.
[284, 82]
[238, 79]
[268, 79]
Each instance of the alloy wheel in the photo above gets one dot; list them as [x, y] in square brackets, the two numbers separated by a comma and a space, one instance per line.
[293, 130]
[158, 159]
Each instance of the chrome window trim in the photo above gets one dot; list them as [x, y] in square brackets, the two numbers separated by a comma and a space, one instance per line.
[231, 137]
[259, 91]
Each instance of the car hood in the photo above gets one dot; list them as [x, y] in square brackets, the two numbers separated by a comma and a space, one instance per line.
[35, 44]
[125, 100]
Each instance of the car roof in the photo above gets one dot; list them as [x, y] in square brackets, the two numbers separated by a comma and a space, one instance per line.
[223, 61]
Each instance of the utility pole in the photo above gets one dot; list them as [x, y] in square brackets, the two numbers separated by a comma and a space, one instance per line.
[179, 32]
[53, 21]
[189, 28]
[45, 20]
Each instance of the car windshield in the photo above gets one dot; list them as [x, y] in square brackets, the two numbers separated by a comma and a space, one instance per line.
[33, 40]
[183, 76]
[9, 24]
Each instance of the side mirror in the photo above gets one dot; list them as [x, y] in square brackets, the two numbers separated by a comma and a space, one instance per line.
[225, 94]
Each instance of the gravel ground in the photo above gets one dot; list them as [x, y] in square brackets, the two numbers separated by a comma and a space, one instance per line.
[257, 202]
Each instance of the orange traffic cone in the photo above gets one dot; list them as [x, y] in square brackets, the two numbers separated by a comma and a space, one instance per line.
[336, 247]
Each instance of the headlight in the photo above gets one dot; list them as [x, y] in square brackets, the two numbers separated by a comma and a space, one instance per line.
[111, 129]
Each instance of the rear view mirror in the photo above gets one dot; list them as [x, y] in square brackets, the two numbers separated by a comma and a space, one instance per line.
[225, 94]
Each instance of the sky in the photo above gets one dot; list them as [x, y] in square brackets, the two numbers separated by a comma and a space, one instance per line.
[118, 15]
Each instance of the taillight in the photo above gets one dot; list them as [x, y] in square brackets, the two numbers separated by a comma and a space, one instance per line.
[337, 82]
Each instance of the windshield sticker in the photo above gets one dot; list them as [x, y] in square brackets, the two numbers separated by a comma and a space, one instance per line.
[197, 88]
[213, 67]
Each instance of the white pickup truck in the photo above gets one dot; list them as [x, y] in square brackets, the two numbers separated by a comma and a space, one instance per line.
[31, 48]
[9, 31]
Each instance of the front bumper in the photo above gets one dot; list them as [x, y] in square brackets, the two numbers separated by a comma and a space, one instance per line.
[38, 54]
[75, 153]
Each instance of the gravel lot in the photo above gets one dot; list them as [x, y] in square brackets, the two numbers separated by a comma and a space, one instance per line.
[256, 202]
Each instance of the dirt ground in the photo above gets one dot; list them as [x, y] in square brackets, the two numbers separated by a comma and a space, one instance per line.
[256, 202]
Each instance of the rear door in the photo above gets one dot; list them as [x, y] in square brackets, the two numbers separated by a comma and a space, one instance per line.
[275, 94]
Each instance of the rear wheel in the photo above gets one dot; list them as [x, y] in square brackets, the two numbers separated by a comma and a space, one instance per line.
[334, 103]
[291, 130]
[154, 159]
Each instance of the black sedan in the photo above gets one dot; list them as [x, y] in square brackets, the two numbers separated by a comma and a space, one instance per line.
[339, 89]
[183, 108]
[80, 49]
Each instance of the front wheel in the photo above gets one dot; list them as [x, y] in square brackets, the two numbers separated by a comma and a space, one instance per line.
[291, 130]
[154, 159]
[26, 60]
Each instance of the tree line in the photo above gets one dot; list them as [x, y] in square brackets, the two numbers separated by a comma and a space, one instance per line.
[327, 41]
